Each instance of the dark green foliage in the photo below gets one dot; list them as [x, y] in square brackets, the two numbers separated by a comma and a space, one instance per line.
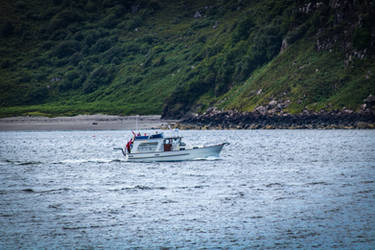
[297, 33]
[154, 5]
[78, 36]
[75, 58]
[36, 95]
[134, 23]
[72, 79]
[243, 30]
[101, 45]
[139, 56]
[361, 38]
[66, 48]
[63, 19]
[98, 77]
[6, 29]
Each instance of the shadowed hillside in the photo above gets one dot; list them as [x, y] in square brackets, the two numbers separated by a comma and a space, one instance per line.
[174, 57]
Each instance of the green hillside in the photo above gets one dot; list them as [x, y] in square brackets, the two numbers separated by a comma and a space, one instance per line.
[63, 57]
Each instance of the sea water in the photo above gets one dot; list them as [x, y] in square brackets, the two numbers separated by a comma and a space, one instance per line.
[269, 189]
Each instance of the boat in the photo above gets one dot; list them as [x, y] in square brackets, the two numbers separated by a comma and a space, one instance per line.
[158, 148]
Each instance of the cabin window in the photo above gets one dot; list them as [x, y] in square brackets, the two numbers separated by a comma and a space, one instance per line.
[147, 147]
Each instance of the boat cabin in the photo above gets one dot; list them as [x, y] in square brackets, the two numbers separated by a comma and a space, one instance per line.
[157, 143]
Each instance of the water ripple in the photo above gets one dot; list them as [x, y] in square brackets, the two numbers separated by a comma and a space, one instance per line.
[270, 189]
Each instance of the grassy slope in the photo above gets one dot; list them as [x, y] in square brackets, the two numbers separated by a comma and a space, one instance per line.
[110, 59]
[157, 50]
[308, 79]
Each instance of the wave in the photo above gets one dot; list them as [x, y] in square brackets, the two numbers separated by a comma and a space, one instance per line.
[210, 158]
[275, 184]
[31, 190]
[317, 183]
[29, 163]
[137, 188]
[94, 160]
[19, 163]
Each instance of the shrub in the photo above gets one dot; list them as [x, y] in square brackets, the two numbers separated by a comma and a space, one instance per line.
[101, 45]
[361, 38]
[110, 21]
[75, 59]
[36, 95]
[114, 52]
[66, 48]
[6, 29]
[58, 35]
[47, 45]
[78, 36]
[159, 61]
[72, 79]
[92, 36]
[25, 77]
[63, 19]
[134, 23]
[91, 6]
[98, 77]
[242, 30]
[116, 61]
[154, 5]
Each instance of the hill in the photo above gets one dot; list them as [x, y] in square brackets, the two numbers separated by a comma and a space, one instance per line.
[175, 57]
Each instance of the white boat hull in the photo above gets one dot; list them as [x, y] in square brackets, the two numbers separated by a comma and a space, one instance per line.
[197, 153]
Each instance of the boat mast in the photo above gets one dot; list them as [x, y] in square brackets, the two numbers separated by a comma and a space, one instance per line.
[136, 122]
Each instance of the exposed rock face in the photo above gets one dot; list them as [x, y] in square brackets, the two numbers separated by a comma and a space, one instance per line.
[350, 23]
[284, 45]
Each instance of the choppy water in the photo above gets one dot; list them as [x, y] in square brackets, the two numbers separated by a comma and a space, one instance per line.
[271, 189]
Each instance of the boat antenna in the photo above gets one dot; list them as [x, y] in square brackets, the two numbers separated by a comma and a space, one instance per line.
[136, 122]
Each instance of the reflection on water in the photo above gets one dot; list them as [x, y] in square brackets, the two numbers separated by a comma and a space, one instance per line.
[270, 189]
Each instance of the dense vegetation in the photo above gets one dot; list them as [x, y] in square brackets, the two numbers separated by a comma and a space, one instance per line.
[62, 57]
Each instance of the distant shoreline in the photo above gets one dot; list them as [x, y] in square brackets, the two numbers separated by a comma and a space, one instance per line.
[214, 119]
[83, 122]
[211, 120]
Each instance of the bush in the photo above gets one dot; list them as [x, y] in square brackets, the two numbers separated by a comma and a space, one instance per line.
[66, 48]
[112, 53]
[36, 95]
[72, 79]
[101, 45]
[63, 19]
[154, 5]
[243, 29]
[47, 45]
[297, 33]
[134, 23]
[361, 38]
[110, 21]
[92, 36]
[58, 35]
[75, 59]
[78, 36]
[6, 29]
[98, 77]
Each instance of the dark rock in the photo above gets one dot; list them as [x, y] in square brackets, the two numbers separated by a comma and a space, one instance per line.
[197, 14]
[270, 119]
[370, 100]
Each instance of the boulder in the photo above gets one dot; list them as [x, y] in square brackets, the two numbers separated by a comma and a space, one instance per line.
[261, 110]
[197, 14]
[370, 100]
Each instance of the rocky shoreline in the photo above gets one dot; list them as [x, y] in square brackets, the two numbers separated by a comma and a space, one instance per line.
[253, 120]
[268, 117]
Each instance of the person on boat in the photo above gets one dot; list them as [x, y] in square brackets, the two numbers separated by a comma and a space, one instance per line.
[128, 146]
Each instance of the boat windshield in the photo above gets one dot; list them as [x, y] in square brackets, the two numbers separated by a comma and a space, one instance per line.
[147, 147]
